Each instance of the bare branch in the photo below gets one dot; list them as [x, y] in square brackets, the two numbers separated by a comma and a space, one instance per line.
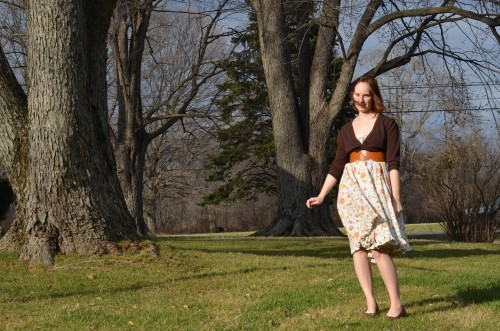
[323, 53]
[495, 33]
[493, 21]
[173, 116]
[12, 4]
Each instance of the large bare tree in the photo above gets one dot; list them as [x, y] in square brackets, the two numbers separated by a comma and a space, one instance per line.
[179, 59]
[54, 138]
[303, 115]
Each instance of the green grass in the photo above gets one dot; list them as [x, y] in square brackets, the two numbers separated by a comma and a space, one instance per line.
[236, 282]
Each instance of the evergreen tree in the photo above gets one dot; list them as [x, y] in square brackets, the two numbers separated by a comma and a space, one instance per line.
[246, 161]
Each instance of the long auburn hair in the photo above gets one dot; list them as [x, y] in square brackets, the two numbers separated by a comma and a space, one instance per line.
[378, 104]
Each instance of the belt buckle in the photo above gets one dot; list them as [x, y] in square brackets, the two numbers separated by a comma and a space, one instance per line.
[363, 155]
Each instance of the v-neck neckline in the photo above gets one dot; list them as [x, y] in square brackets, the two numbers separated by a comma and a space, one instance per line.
[369, 133]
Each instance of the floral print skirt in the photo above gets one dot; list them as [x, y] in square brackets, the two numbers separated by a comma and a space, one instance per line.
[365, 208]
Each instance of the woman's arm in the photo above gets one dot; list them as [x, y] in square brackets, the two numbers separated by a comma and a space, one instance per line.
[330, 182]
[396, 197]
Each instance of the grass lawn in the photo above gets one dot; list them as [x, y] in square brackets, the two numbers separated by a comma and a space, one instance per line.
[236, 282]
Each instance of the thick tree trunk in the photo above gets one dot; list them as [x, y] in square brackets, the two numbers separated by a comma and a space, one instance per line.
[13, 146]
[295, 166]
[302, 129]
[72, 200]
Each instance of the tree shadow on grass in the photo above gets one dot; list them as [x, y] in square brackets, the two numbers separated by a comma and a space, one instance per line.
[433, 305]
[447, 253]
[145, 284]
[439, 236]
[474, 295]
[344, 253]
[337, 250]
[463, 298]
[340, 250]
[319, 253]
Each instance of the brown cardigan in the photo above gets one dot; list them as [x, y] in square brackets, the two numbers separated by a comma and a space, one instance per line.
[384, 137]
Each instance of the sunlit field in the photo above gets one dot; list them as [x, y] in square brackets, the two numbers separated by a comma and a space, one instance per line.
[232, 281]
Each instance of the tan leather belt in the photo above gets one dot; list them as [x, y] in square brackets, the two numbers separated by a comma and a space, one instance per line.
[367, 155]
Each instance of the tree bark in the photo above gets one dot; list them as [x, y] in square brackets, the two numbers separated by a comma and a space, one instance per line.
[152, 191]
[301, 146]
[13, 146]
[131, 22]
[137, 128]
[294, 165]
[72, 201]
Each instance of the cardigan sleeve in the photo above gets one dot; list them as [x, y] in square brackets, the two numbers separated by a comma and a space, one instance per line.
[341, 158]
[393, 142]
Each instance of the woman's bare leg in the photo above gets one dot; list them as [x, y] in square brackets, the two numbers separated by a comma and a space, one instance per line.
[390, 277]
[364, 274]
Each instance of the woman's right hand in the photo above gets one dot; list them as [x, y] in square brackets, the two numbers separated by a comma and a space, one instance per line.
[315, 201]
[330, 182]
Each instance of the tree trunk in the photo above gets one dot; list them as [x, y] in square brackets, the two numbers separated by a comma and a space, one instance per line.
[13, 146]
[301, 133]
[151, 198]
[72, 200]
[131, 22]
[131, 159]
[152, 191]
[294, 165]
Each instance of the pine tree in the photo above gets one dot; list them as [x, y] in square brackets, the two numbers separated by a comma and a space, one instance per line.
[246, 161]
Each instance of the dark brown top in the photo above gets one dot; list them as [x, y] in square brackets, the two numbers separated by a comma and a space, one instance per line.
[384, 137]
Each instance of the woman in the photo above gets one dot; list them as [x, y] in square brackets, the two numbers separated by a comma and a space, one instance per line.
[369, 203]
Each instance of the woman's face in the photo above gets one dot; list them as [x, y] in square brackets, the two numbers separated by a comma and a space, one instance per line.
[362, 97]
